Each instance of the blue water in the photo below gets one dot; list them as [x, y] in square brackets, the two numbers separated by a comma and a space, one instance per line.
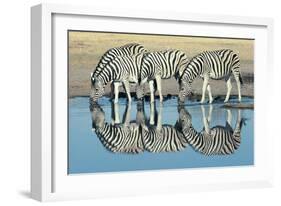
[86, 153]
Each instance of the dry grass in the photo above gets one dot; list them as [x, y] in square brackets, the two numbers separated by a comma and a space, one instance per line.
[86, 48]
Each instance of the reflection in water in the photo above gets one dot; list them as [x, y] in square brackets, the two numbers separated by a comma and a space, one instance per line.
[117, 137]
[161, 138]
[150, 134]
[218, 140]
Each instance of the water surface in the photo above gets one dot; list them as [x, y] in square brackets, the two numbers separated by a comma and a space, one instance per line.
[87, 154]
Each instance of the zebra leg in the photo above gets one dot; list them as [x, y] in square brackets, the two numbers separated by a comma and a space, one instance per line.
[116, 91]
[205, 121]
[159, 118]
[229, 87]
[152, 114]
[239, 119]
[158, 81]
[210, 113]
[127, 115]
[151, 88]
[127, 88]
[238, 87]
[112, 90]
[229, 116]
[205, 83]
[210, 94]
[116, 114]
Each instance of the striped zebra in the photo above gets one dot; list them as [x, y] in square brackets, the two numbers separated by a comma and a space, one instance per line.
[219, 140]
[161, 65]
[219, 64]
[121, 70]
[117, 137]
[98, 77]
[161, 138]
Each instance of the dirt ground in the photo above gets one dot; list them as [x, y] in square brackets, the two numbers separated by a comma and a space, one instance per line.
[86, 48]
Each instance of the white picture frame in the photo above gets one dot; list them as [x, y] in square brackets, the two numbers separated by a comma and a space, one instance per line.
[49, 179]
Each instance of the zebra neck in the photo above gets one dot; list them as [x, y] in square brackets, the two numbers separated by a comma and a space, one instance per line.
[104, 130]
[103, 79]
[197, 140]
[194, 68]
[191, 134]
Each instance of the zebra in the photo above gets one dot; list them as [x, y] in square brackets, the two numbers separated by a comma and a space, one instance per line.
[161, 138]
[97, 85]
[117, 137]
[161, 65]
[134, 137]
[121, 70]
[219, 140]
[218, 64]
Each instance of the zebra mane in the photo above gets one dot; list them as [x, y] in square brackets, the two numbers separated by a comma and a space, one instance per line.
[105, 58]
[189, 63]
[128, 45]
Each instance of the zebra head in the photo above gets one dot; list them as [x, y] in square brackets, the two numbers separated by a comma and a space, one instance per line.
[98, 116]
[185, 119]
[185, 90]
[97, 90]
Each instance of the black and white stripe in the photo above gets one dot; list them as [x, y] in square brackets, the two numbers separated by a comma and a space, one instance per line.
[219, 64]
[117, 138]
[161, 65]
[121, 70]
[108, 56]
[158, 137]
[120, 139]
[99, 78]
[133, 137]
[167, 139]
[219, 140]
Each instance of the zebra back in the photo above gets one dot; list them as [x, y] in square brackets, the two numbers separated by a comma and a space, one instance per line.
[168, 139]
[121, 68]
[164, 63]
[109, 55]
[119, 139]
[219, 141]
[220, 63]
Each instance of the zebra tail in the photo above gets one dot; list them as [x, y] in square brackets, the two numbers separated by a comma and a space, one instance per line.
[242, 122]
[240, 79]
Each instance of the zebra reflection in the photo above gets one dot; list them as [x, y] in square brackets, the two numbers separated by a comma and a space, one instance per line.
[218, 140]
[117, 137]
[134, 137]
[158, 137]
